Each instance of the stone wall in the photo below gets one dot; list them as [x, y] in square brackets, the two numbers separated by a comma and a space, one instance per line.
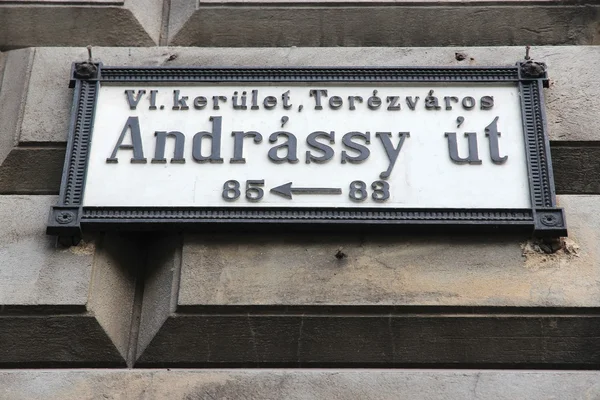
[138, 308]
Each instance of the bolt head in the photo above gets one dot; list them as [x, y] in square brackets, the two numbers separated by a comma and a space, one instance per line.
[65, 217]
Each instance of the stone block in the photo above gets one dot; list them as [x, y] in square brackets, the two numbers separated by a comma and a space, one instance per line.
[161, 284]
[14, 80]
[114, 292]
[299, 384]
[61, 306]
[382, 23]
[32, 170]
[573, 165]
[241, 300]
[402, 270]
[67, 23]
[33, 270]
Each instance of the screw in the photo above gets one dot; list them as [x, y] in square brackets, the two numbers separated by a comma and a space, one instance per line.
[65, 217]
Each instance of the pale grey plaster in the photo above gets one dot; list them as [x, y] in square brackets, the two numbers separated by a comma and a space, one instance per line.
[400, 270]
[113, 284]
[33, 270]
[48, 106]
[297, 384]
[573, 102]
[161, 284]
[14, 80]
[149, 14]
[179, 13]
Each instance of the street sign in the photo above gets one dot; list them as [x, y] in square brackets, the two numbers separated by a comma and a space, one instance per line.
[184, 148]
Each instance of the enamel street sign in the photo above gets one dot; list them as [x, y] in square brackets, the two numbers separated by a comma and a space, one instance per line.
[185, 148]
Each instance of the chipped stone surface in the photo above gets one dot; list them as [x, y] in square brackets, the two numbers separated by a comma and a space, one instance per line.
[298, 384]
[537, 255]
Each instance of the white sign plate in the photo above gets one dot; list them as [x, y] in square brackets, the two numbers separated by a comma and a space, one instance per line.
[197, 149]
[339, 145]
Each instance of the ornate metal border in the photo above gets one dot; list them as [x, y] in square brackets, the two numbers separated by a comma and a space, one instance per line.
[68, 217]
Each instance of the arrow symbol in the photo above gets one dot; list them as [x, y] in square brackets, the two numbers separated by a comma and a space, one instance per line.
[286, 190]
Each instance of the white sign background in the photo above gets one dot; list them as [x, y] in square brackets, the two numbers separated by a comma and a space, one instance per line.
[424, 176]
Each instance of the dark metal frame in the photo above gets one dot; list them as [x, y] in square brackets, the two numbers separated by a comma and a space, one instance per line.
[68, 217]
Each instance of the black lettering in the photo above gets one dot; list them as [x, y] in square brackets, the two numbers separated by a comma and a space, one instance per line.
[352, 99]
[216, 100]
[468, 103]
[153, 99]
[358, 191]
[374, 102]
[473, 157]
[393, 100]
[238, 145]
[448, 100]
[491, 131]
[317, 93]
[179, 103]
[133, 101]
[242, 105]
[412, 104]
[254, 105]
[391, 151]
[327, 151]
[270, 102]
[200, 102]
[289, 146]
[159, 151]
[487, 102]
[363, 152]
[335, 102]
[285, 97]
[215, 138]
[431, 102]
[133, 125]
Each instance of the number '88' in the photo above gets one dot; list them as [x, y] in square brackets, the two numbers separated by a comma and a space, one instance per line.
[358, 191]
